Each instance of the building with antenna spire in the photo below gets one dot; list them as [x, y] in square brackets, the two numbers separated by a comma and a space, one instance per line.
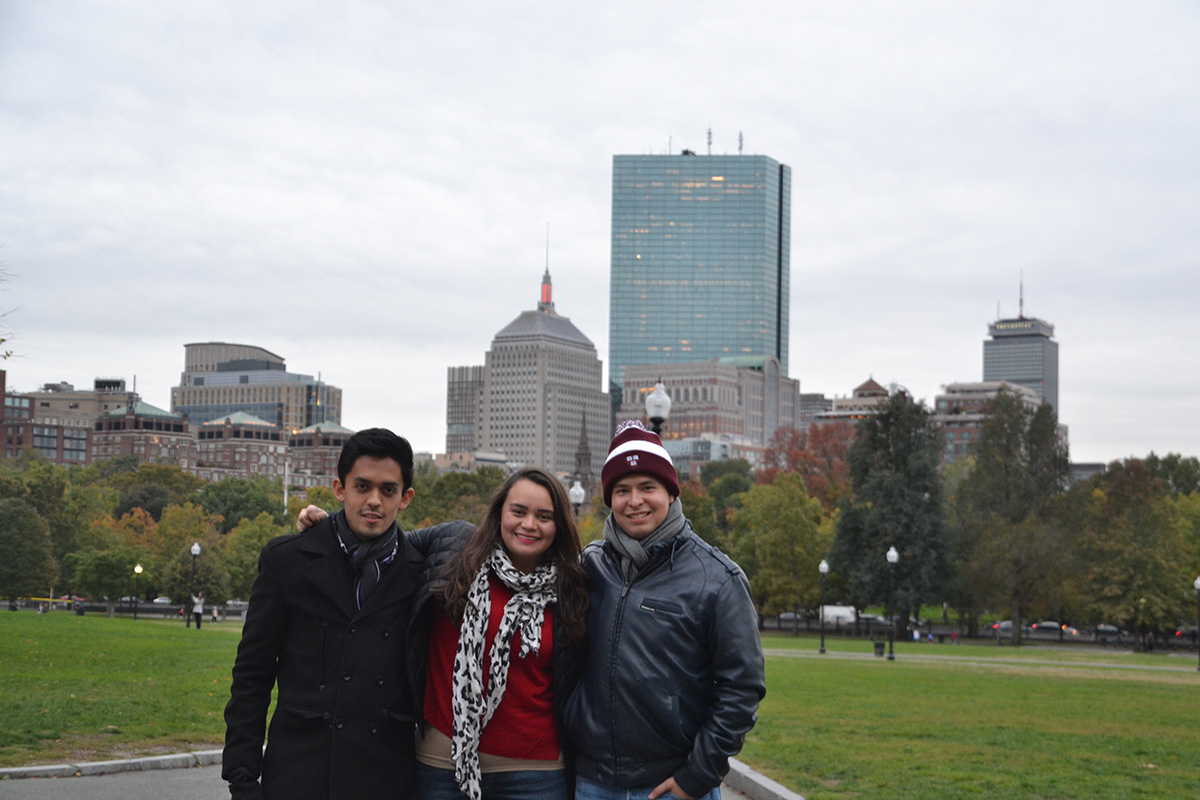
[538, 388]
[1022, 350]
[700, 261]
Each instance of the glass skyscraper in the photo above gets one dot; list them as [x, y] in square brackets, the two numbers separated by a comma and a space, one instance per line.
[1023, 351]
[700, 260]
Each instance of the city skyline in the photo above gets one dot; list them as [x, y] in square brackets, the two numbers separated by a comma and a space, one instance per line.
[367, 192]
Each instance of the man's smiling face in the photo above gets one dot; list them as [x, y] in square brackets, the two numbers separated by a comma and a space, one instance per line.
[373, 495]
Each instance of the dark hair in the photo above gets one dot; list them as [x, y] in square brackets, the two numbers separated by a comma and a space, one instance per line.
[564, 551]
[379, 443]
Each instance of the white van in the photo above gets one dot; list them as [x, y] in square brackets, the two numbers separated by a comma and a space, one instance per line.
[838, 615]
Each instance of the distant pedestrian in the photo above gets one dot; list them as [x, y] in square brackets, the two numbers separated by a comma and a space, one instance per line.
[214, 615]
[953, 637]
[198, 608]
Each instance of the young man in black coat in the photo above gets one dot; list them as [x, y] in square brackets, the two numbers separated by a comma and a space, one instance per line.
[327, 624]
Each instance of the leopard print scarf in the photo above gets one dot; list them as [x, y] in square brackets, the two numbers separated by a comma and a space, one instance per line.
[525, 612]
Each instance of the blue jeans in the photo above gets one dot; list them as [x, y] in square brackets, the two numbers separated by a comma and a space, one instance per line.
[587, 790]
[439, 784]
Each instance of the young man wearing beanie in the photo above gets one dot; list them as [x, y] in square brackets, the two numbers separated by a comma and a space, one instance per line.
[674, 673]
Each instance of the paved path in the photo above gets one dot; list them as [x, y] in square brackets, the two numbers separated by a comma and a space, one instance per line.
[197, 783]
[999, 662]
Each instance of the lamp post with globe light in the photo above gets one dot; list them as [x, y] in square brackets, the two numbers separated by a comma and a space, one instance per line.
[137, 573]
[658, 406]
[1197, 585]
[576, 495]
[892, 558]
[823, 568]
[187, 612]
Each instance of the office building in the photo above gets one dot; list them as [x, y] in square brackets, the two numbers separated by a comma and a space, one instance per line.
[314, 453]
[959, 412]
[220, 378]
[700, 260]
[152, 435]
[240, 445]
[742, 398]
[539, 385]
[1023, 351]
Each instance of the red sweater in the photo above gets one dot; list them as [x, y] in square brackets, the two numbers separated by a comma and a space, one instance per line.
[523, 725]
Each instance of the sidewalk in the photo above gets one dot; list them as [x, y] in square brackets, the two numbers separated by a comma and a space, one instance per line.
[197, 776]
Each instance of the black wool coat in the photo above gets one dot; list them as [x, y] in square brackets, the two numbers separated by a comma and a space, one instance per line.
[343, 725]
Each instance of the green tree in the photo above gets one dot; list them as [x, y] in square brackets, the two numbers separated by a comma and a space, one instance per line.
[106, 573]
[455, 495]
[1132, 545]
[896, 502]
[211, 577]
[777, 533]
[150, 498]
[1004, 519]
[237, 499]
[241, 548]
[698, 508]
[1180, 475]
[27, 564]
[180, 527]
[179, 485]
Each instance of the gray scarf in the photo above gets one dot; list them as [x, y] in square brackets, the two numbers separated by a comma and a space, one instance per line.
[633, 553]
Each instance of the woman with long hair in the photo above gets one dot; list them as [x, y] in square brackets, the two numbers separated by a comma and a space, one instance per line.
[506, 641]
[503, 612]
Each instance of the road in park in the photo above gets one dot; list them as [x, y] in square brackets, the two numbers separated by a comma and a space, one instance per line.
[198, 783]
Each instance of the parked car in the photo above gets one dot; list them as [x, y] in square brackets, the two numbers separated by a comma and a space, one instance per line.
[1049, 626]
[1104, 633]
[1186, 634]
[1004, 628]
[165, 601]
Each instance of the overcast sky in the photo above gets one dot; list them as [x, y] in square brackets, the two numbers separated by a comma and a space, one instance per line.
[364, 188]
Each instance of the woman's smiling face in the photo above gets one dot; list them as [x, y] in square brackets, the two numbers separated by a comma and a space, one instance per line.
[527, 524]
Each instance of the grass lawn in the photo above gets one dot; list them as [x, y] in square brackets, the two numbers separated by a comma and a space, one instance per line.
[977, 721]
[92, 688]
[968, 721]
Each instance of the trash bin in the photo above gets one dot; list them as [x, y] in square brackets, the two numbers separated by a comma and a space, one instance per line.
[879, 649]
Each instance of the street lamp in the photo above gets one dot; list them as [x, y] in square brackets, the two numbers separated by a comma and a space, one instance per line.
[658, 406]
[892, 558]
[823, 568]
[187, 614]
[137, 573]
[1197, 585]
[576, 494]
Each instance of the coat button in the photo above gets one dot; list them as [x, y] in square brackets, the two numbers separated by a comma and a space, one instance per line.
[353, 629]
[345, 676]
[385, 634]
[379, 681]
[338, 724]
[374, 730]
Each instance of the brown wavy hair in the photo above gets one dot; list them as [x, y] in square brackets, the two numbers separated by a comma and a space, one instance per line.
[571, 606]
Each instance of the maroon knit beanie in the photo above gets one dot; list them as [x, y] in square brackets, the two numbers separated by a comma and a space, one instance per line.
[637, 451]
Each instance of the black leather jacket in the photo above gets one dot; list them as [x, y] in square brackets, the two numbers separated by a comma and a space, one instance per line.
[675, 668]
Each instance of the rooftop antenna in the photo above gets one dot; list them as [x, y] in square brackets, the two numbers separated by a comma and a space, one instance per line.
[739, 143]
[1021, 307]
[668, 144]
[710, 140]
[547, 246]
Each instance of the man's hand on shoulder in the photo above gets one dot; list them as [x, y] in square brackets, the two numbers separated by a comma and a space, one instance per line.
[310, 515]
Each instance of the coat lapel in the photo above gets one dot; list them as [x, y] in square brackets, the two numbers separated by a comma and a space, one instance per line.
[329, 570]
